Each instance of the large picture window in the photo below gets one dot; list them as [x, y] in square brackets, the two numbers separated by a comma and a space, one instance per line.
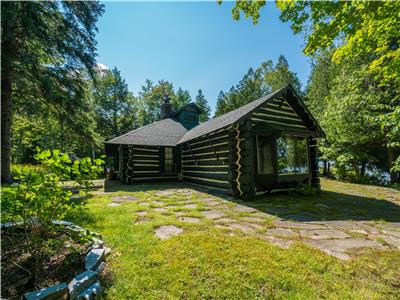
[169, 160]
[292, 155]
[264, 155]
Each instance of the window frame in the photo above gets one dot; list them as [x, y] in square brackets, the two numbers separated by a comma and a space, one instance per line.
[169, 168]
[271, 143]
[295, 137]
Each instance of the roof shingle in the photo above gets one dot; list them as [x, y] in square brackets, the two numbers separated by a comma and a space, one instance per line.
[166, 132]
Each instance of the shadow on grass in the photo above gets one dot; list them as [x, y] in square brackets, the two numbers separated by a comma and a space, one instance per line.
[324, 206]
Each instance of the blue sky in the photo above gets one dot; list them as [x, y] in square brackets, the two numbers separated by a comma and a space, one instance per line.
[194, 45]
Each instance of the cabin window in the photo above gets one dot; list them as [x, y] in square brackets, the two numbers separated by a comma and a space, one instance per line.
[169, 160]
[264, 155]
[292, 155]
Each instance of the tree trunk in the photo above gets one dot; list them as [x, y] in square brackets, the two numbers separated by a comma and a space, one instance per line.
[392, 156]
[8, 56]
[6, 122]
[363, 167]
[325, 171]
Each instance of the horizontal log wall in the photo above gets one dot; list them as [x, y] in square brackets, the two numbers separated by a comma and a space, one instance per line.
[278, 113]
[206, 160]
[142, 163]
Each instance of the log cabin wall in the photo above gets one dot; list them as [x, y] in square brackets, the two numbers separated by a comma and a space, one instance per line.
[278, 112]
[205, 160]
[143, 163]
[312, 152]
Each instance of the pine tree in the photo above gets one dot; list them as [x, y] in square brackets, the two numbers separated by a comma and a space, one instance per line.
[202, 103]
[45, 46]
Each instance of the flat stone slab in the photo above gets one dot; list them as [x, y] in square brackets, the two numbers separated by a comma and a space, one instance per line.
[165, 193]
[190, 206]
[166, 231]
[254, 225]
[94, 258]
[142, 213]
[59, 291]
[243, 208]
[225, 220]
[343, 225]
[189, 219]
[160, 210]
[81, 282]
[143, 203]
[212, 214]
[253, 219]
[285, 232]
[319, 234]
[393, 233]
[359, 231]
[242, 227]
[124, 198]
[172, 206]
[92, 292]
[391, 240]
[338, 248]
[113, 204]
[157, 202]
[296, 225]
[282, 243]
[209, 201]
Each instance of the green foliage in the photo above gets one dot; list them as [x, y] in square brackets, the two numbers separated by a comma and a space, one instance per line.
[361, 38]
[202, 103]
[114, 105]
[39, 195]
[255, 84]
[207, 262]
[46, 48]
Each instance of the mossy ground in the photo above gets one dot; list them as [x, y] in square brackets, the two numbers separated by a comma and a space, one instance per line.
[209, 262]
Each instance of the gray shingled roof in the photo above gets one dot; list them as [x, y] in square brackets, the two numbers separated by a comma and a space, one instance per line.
[169, 132]
[226, 119]
[166, 132]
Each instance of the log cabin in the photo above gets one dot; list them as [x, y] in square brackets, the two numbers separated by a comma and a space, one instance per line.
[264, 146]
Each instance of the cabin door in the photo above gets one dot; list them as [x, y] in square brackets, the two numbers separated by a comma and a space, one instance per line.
[265, 162]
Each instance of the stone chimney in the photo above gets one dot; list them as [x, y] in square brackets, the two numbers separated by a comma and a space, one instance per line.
[166, 107]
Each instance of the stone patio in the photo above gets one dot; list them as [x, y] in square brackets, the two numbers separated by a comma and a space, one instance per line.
[278, 224]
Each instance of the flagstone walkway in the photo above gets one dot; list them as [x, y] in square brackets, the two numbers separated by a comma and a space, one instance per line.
[336, 231]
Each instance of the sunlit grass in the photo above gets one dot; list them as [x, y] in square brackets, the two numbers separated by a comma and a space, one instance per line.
[206, 262]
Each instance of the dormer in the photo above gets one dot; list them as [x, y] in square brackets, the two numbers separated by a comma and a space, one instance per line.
[188, 115]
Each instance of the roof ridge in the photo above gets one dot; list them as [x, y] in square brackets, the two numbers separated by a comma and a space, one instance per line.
[262, 100]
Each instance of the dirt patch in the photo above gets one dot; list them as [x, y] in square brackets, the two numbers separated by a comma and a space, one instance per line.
[23, 272]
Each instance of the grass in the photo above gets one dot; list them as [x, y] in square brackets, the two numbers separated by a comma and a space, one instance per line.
[206, 262]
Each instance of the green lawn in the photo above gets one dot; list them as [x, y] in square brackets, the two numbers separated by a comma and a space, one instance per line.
[209, 261]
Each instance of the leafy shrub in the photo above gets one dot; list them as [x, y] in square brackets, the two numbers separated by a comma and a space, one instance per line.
[38, 198]
[17, 169]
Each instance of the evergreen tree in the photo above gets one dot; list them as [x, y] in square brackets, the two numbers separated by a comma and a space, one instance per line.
[221, 104]
[113, 104]
[45, 46]
[256, 84]
[202, 103]
[182, 97]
